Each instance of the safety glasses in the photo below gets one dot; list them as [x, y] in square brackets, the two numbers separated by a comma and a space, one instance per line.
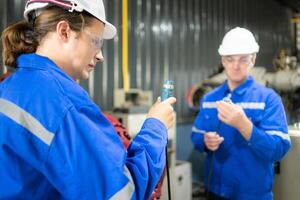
[243, 60]
[96, 41]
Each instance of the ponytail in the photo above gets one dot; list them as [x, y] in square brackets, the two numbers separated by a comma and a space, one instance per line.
[17, 39]
[22, 38]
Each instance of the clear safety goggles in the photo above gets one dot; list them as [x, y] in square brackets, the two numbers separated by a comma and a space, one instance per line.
[243, 60]
[96, 41]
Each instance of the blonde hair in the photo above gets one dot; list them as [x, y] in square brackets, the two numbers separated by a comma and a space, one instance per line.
[24, 37]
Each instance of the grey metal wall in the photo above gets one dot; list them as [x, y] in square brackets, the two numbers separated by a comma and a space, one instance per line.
[176, 39]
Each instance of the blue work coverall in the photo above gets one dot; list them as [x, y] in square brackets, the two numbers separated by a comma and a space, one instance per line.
[56, 144]
[241, 169]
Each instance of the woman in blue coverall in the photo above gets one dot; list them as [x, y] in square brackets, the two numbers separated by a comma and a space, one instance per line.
[241, 126]
[55, 143]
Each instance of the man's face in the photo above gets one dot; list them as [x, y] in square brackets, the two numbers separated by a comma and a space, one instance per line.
[237, 67]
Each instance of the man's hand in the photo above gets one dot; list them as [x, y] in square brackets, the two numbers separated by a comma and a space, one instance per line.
[235, 116]
[212, 140]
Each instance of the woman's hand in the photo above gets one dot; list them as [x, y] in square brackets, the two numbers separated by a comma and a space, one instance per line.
[163, 111]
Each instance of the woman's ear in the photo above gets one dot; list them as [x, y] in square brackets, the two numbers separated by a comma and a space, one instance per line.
[63, 30]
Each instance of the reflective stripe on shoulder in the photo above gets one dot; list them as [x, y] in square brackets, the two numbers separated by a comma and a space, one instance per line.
[196, 130]
[26, 120]
[252, 105]
[127, 191]
[284, 136]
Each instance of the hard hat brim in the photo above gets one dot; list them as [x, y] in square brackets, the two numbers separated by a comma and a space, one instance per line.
[226, 52]
[109, 30]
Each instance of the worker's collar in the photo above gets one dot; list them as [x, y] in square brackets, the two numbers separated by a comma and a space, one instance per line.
[241, 89]
[35, 61]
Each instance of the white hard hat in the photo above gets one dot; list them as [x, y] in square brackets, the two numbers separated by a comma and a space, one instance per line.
[94, 7]
[238, 41]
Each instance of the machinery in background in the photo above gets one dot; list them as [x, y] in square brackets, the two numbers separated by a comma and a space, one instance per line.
[132, 101]
[284, 61]
[181, 182]
[131, 108]
[286, 184]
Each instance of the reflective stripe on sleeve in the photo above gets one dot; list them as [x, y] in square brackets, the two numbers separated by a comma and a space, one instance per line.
[26, 120]
[194, 129]
[209, 105]
[127, 191]
[280, 134]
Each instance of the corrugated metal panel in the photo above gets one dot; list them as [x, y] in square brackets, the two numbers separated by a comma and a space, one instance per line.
[3, 17]
[176, 39]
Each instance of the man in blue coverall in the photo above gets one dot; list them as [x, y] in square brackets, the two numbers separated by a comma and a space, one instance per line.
[241, 126]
